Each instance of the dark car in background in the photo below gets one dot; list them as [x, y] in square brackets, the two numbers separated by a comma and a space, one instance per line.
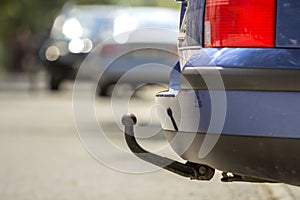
[75, 32]
[78, 29]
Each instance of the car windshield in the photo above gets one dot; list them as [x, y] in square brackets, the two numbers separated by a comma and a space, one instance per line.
[94, 24]
[138, 18]
[152, 18]
[157, 18]
[99, 23]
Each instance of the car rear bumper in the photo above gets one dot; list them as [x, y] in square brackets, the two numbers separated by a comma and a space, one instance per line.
[245, 113]
[249, 79]
[268, 158]
[249, 126]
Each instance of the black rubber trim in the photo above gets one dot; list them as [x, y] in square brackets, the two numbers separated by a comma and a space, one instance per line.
[165, 95]
[267, 158]
[241, 79]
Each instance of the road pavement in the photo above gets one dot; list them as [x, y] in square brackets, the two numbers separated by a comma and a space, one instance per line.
[42, 156]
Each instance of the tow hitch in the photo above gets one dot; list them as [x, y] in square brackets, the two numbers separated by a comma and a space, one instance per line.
[189, 169]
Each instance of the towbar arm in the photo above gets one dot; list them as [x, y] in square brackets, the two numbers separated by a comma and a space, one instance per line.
[189, 169]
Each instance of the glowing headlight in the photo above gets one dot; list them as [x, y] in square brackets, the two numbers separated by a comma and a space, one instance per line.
[52, 53]
[88, 45]
[76, 45]
[123, 24]
[72, 28]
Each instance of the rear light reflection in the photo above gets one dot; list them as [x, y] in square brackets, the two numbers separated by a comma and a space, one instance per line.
[110, 50]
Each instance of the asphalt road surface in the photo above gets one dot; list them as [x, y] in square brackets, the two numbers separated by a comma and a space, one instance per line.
[42, 156]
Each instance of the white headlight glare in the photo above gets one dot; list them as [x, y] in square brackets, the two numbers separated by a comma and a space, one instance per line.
[88, 45]
[52, 53]
[72, 28]
[123, 24]
[76, 45]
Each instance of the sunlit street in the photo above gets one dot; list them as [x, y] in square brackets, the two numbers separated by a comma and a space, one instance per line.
[42, 156]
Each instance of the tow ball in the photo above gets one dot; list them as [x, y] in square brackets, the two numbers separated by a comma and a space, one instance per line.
[189, 170]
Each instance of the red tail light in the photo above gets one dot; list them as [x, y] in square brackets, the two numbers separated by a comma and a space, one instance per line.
[239, 23]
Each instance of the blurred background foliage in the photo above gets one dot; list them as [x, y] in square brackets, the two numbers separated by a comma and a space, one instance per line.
[36, 16]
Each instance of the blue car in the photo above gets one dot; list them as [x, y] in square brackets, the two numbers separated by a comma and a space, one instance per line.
[233, 103]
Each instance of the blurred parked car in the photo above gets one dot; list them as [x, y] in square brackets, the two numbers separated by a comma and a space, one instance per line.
[144, 41]
[75, 31]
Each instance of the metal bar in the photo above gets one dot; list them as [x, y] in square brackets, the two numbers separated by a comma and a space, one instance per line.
[189, 170]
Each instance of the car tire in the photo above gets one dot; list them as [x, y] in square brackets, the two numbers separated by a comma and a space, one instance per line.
[54, 83]
[103, 89]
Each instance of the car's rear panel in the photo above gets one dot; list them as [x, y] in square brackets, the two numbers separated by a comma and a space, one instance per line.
[259, 67]
[288, 24]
